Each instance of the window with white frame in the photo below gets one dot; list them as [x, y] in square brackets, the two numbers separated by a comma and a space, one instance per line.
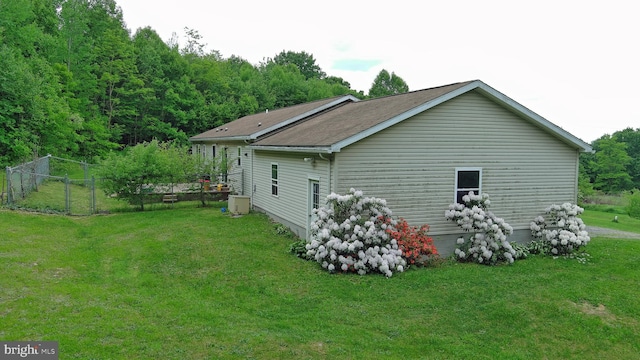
[239, 156]
[274, 179]
[213, 151]
[315, 195]
[467, 179]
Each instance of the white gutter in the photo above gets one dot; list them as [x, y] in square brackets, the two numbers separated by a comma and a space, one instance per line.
[226, 138]
[301, 149]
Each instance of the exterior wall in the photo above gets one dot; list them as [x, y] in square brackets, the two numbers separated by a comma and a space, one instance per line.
[291, 205]
[412, 164]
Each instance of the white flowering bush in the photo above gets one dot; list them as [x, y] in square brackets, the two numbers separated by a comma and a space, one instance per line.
[349, 235]
[561, 229]
[487, 244]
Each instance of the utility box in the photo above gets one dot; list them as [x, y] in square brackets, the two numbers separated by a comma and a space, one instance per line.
[239, 204]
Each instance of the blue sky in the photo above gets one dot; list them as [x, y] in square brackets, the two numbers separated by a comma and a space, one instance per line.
[576, 63]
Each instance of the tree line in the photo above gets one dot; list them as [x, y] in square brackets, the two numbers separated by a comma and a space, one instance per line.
[75, 82]
[614, 167]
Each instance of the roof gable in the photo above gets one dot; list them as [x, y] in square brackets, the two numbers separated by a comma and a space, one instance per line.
[334, 130]
[251, 127]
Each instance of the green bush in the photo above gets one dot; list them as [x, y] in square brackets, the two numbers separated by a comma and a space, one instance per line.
[633, 209]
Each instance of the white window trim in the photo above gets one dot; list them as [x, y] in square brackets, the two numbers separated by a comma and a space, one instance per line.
[239, 161]
[316, 179]
[277, 180]
[455, 184]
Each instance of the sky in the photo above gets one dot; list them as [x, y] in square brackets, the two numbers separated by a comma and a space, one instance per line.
[575, 63]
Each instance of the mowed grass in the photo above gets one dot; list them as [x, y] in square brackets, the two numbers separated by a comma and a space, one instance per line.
[194, 283]
[606, 219]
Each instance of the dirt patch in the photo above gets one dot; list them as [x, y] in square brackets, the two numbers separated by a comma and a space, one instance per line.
[599, 310]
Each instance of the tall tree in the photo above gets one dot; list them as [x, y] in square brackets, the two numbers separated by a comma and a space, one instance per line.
[611, 159]
[387, 84]
[34, 117]
[631, 138]
[303, 60]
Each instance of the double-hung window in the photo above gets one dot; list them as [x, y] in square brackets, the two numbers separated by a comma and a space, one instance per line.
[467, 180]
[274, 179]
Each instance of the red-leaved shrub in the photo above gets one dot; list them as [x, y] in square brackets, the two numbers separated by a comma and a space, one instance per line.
[416, 245]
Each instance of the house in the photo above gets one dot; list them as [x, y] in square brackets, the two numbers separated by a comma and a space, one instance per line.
[420, 151]
[232, 140]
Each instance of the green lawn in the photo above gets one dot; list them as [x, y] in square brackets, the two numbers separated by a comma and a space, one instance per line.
[193, 283]
[606, 219]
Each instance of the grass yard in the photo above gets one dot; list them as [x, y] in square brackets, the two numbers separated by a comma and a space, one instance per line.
[193, 283]
[605, 219]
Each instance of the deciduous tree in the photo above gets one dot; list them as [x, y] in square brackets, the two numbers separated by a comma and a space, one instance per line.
[387, 84]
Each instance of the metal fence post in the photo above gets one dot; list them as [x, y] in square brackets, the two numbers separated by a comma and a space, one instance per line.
[67, 195]
[85, 167]
[9, 198]
[93, 195]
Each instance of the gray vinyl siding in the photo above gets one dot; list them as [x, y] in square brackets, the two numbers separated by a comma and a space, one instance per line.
[294, 173]
[412, 164]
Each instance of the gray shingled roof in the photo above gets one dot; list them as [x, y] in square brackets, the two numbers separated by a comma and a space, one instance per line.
[329, 128]
[329, 125]
[249, 127]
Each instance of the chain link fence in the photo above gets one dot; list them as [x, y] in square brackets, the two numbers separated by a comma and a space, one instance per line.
[56, 185]
[51, 184]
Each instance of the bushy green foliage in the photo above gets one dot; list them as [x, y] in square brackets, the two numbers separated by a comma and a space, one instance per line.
[76, 82]
[134, 173]
[633, 209]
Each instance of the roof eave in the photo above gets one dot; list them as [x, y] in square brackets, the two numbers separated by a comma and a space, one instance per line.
[226, 138]
[539, 120]
[299, 149]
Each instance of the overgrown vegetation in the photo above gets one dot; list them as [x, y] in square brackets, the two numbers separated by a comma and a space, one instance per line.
[155, 167]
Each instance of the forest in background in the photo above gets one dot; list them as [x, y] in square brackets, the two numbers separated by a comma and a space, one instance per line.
[76, 82]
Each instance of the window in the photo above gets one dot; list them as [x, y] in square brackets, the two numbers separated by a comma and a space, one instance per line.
[274, 179]
[467, 179]
[315, 195]
[213, 151]
[239, 156]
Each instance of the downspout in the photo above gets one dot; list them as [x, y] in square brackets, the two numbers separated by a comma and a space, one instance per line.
[577, 179]
[244, 173]
[328, 172]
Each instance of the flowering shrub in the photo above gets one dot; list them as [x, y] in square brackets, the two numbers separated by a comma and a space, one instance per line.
[416, 246]
[488, 242]
[349, 235]
[562, 231]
